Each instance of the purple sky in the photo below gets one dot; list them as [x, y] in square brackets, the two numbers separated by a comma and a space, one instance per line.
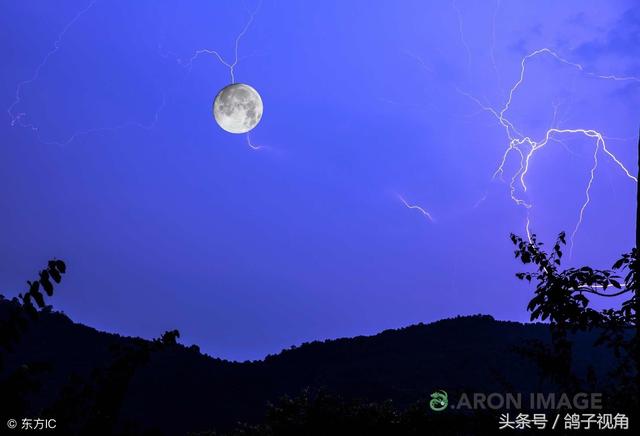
[166, 221]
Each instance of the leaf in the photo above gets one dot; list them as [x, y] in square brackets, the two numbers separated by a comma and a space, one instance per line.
[39, 298]
[55, 274]
[61, 266]
[618, 263]
[562, 238]
[47, 286]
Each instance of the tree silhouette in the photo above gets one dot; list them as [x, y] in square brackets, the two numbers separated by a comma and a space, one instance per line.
[562, 298]
[87, 406]
[15, 386]
[322, 413]
[635, 266]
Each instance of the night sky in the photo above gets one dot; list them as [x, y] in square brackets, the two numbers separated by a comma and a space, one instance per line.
[117, 166]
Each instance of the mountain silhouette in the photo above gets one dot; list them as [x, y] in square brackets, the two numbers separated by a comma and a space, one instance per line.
[178, 390]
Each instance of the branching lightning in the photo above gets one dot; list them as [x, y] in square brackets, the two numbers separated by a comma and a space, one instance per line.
[526, 147]
[19, 118]
[230, 65]
[416, 207]
[131, 124]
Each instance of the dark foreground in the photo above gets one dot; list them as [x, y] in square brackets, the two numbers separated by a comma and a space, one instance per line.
[98, 383]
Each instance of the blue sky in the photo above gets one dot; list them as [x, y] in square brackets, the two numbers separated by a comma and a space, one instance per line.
[166, 221]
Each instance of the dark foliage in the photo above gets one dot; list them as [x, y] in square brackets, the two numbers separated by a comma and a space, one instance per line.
[322, 414]
[22, 380]
[86, 405]
[563, 298]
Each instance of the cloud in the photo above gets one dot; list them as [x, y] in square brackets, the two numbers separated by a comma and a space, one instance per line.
[621, 40]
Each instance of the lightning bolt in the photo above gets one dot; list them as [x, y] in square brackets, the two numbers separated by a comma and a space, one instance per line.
[131, 124]
[492, 53]
[230, 65]
[526, 147]
[480, 201]
[252, 145]
[19, 118]
[416, 207]
[461, 30]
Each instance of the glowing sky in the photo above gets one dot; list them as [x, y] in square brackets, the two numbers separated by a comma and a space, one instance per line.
[370, 203]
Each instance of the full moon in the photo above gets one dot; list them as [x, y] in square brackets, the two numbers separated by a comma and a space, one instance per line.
[237, 108]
